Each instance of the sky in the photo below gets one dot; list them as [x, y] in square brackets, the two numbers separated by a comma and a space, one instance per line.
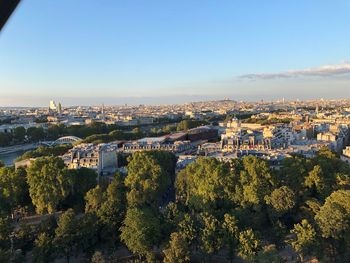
[84, 52]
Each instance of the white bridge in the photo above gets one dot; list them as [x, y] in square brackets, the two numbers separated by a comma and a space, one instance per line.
[63, 140]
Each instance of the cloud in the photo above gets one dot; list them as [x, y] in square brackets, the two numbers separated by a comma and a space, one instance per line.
[323, 71]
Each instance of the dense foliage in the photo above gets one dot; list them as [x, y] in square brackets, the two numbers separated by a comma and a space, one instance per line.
[211, 210]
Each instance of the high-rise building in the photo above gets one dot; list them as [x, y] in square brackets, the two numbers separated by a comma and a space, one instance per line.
[103, 117]
[59, 110]
[52, 106]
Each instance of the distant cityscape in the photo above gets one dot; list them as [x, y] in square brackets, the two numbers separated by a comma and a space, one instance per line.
[174, 131]
[225, 129]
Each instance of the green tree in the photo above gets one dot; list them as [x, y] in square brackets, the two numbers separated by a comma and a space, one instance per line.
[5, 231]
[19, 134]
[48, 226]
[14, 188]
[44, 250]
[256, 181]
[205, 185]
[35, 134]
[141, 230]
[293, 172]
[178, 249]
[189, 229]
[249, 244]
[94, 199]
[305, 241]
[87, 233]
[5, 139]
[185, 125]
[112, 210]
[231, 234]
[333, 217]
[282, 199]
[211, 235]
[109, 205]
[48, 183]
[41, 151]
[81, 181]
[315, 180]
[66, 238]
[147, 179]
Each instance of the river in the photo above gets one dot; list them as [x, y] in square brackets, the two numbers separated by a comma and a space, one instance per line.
[8, 158]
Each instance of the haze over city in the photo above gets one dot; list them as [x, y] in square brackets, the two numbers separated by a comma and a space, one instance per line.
[156, 52]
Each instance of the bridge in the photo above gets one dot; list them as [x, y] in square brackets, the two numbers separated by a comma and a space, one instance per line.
[67, 140]
[62, 140]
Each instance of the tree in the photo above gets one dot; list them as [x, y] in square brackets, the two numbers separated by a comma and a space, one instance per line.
[211, 234]
[109, 205]
[2, 164]
[41, 151]
[256, 181]
[81, 180]
[94, 199]
[141, 230]
[5, 231]
[205, 185]
[86, 233]
[189, 229]
[172, 215]
[19, 134]
[231, 234]
[48, 226]
[293, 172]
[282, 199]
[178, 250]
[35, 134]
[185, 125]
[43, 249]
[147, 179]
[66, 237]
[305, 241]
[333, 217]
[315, 180]
[14, 188]
[5, 139]
[249, 244]
[112, 210]
[48, 183]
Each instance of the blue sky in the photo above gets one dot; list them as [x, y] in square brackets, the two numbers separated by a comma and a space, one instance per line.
[148, 51]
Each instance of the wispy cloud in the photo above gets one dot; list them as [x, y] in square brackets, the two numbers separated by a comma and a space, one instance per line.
[322, 71]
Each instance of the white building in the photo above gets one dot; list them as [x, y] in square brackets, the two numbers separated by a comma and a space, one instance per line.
[102, 158]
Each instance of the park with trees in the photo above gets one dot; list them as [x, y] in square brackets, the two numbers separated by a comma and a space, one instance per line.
[243, 210]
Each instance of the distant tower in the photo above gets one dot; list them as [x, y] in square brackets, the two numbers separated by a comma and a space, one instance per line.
[52, 106]
[59, 108]
[103, 112]
[317, 109]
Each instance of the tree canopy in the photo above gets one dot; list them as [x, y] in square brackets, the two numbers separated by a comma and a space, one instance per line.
[48, 183]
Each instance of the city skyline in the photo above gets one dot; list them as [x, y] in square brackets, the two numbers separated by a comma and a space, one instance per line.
[161, 53]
